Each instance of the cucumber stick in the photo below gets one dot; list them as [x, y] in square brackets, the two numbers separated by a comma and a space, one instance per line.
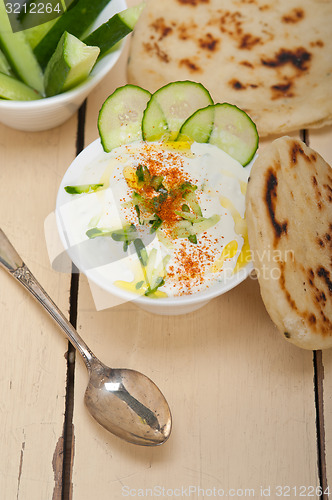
[70, 64]
[116, 28]
[75, 20]
[13, 89]
[19, 53]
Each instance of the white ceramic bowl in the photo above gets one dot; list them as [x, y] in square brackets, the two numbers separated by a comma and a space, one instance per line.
[50, 112]
[166, 306]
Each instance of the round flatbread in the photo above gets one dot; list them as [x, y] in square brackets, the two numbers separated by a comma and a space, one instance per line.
[289, 216]
[272, 58]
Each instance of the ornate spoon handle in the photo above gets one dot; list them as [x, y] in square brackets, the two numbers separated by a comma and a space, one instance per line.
[14, 265]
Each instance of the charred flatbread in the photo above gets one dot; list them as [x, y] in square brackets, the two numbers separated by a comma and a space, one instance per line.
[289, 216]
[272, 58]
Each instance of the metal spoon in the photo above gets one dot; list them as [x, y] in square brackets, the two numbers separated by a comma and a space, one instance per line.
[125, 402]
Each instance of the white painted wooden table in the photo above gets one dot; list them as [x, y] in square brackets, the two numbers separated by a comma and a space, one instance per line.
[252, 413]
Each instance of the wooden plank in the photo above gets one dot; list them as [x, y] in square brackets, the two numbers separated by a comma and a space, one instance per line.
[321, 140]
[33, 371]
[241, 397]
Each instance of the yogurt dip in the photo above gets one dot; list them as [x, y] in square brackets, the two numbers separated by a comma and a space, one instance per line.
[168, 217]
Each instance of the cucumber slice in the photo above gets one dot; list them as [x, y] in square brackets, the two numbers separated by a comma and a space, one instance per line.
[116, 28]
[70, 64]
[234, 132]
[172, 104]
[15, 90]
[120, 117]
[198, 126]
[76, 21]
[226, 126]
[19, 53]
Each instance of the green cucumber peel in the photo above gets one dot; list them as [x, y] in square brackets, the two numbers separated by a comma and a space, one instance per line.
[83, 188]
[77, 20]
[114, 30]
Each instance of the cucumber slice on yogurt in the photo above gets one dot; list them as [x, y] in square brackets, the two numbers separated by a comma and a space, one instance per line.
[227, 127]
[234, 132]
[120, 117]
[198, 126]
[170, 106]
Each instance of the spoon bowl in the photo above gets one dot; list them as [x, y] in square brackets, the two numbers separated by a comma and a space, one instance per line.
[128, 404]
[124, 401]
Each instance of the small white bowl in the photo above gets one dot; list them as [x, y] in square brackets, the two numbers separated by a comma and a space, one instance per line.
[50, 112]
[164, 306]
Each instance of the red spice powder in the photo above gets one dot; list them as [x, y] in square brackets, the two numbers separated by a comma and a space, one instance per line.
[191, 261]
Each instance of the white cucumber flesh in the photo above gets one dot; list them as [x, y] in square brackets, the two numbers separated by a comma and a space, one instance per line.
[130, 16]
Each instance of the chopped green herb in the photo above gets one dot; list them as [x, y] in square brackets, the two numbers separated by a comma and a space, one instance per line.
[185, 208]
[138, 213]
[156, 224]
[95, 232]
[139, 285]
[141, 251]
[159, 282]
[187, 187]
[143, 174]
[127, 234]
[156, 182]
[83, 188]
[192, 238]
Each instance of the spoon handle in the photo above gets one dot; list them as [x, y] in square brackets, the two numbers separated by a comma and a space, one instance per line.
[14, 265]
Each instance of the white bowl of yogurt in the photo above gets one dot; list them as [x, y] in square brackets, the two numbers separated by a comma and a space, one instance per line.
[160, 224]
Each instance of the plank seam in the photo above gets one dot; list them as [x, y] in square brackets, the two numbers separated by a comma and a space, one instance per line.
[69, 437]
[319, 397]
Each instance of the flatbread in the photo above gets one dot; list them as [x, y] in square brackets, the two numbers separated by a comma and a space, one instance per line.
[289, 216]
[272, 58]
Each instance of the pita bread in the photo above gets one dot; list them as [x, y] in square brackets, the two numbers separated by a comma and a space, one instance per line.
[289, 216]
[272, 58]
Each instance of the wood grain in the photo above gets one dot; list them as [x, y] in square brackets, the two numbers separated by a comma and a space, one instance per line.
[33, 368]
